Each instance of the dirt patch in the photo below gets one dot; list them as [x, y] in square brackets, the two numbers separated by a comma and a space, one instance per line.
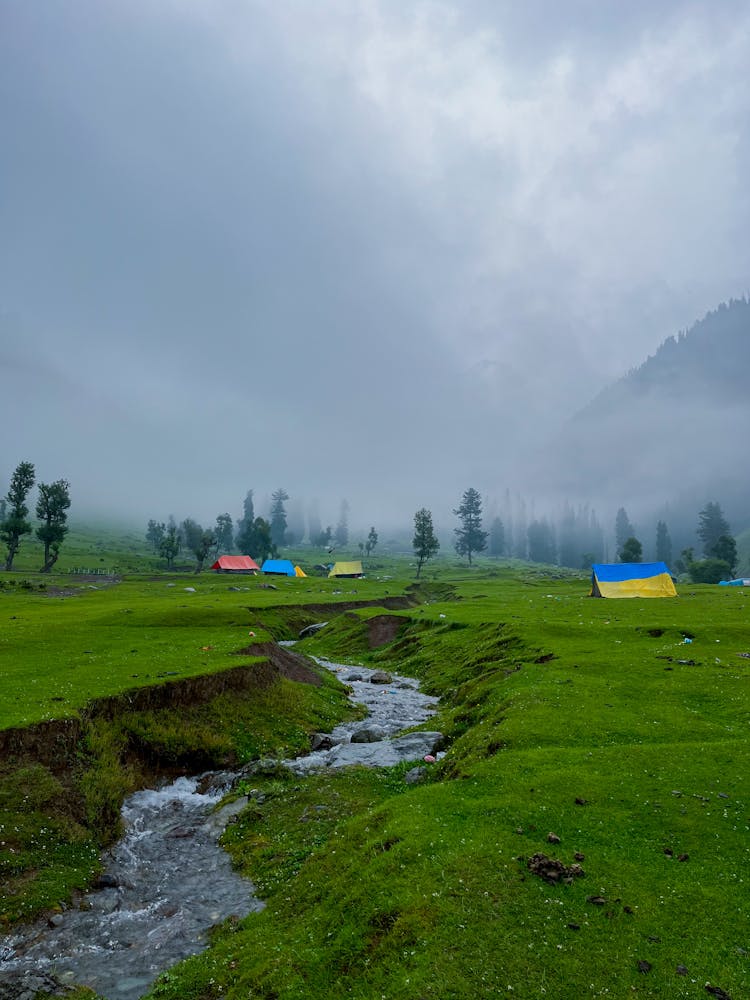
[383, 629]
[553, 871]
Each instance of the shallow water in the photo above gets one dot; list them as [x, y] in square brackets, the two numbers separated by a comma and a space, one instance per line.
[168, 881]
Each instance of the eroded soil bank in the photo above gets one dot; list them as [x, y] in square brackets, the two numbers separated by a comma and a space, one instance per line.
[63, 782]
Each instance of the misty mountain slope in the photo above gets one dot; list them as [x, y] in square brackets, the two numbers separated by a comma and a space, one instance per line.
[672, 431]
[711, 359]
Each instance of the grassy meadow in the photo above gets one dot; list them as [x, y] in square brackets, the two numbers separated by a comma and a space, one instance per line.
[619, 727]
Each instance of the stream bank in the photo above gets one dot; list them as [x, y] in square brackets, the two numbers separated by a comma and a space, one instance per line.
[167, 881]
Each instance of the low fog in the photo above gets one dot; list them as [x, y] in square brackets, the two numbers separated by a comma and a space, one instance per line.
[362, 249]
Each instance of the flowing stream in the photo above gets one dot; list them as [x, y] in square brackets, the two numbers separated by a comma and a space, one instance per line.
[168, 881]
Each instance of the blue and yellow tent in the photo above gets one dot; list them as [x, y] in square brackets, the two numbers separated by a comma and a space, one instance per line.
[631, 580]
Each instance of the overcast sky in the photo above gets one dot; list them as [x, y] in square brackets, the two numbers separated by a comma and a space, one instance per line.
[349, 247]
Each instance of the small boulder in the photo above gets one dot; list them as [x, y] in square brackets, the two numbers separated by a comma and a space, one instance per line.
[416, 775]
[369, 734]
[381, 677]
[321, 741]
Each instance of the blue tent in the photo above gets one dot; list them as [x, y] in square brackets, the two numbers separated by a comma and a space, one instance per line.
[631, 580]
[278, 567]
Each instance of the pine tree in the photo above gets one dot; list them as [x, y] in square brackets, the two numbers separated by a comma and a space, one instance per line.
[497, 538]
[245, 524]
[314, 526]
[663, 544]
[470, 537]
[342, 528]
[15, 525]
[623, 528]
[278, 517]
[711, 526]
[541, 542]
[425, 543]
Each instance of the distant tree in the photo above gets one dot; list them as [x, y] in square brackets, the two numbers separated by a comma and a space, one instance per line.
[15, 524]
[263, 541]
[323, 539]
[709, 571]
[295, 517]
[341, 533]
[372, 541]
[51, 509]
[686, 559]
[469, 536]
[497, 538]
[248, 507]
[567, 535]
[223, 533]
[245, 523]
[711, 526]
[255, 540]
[3, 509]
[663, 544]
[541, 542]
[425, 543]
[155, 534]
[631, 551]
[170, 545]
[198, 541]
[725, 550]
[587, 560]
[278, 517]
[623, 528]
[314, 527]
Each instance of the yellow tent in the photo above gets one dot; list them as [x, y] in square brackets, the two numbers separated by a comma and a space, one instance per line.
[347, 569]
[299, 572]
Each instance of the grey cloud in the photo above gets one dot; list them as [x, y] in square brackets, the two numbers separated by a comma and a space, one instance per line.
[336, 245]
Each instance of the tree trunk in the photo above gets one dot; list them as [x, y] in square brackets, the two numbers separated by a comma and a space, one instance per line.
[49, 560]
[12, 549]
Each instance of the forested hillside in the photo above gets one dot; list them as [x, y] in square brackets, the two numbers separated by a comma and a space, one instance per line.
[670, 434]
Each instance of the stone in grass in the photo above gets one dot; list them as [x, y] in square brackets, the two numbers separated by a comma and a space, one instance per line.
[416, 775]
[681, 970]
[596, 900]
[717, 991]
[552, 838]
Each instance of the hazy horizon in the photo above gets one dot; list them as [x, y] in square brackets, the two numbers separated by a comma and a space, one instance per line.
[355, 249]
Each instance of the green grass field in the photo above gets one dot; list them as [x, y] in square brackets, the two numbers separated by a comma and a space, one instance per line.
[592, 720]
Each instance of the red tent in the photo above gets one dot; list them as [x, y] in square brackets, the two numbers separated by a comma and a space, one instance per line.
[235, 564]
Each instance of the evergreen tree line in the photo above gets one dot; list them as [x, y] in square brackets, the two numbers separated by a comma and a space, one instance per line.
[256, 536]
[577, 539]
